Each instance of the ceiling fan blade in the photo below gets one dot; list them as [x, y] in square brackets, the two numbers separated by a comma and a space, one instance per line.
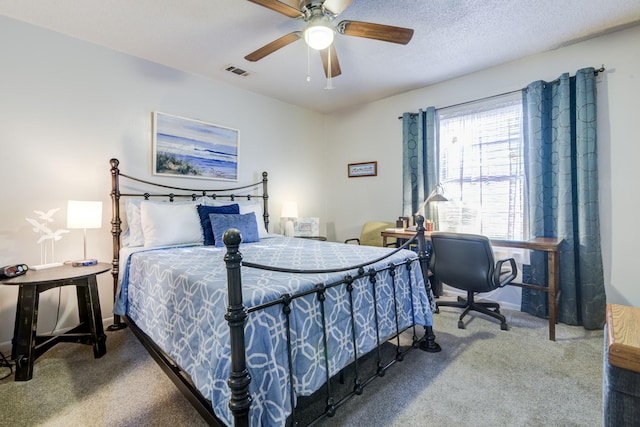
[279, 7]
[336, 7]
[335, 64]
[273, 46]
[386, 33]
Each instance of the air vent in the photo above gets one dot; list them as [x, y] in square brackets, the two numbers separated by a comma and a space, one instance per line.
[237, 71]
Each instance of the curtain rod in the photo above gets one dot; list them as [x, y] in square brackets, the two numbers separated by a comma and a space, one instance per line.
[595, 72]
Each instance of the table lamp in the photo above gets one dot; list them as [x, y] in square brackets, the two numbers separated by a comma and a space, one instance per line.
[81, 214]
[289, 212]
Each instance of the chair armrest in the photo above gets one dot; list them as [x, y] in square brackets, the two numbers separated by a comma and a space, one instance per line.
[504, 278]
[355, 239]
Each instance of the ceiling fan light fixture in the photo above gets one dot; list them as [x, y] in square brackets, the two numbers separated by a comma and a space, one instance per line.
[319, 33]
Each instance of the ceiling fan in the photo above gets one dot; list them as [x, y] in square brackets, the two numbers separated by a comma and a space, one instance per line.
[319, 30]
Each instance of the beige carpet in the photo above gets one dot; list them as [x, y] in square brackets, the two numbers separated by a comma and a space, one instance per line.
[482, 377]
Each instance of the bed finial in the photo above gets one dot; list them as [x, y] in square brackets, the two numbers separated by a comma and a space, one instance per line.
[232, 237]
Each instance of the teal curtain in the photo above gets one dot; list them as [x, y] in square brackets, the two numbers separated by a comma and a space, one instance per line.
[419, 158]
[562, 178]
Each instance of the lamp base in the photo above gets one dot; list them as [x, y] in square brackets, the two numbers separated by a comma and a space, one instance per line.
[84, 262]
[288, 229]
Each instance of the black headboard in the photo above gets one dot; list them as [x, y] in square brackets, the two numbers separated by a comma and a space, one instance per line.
[146, 189]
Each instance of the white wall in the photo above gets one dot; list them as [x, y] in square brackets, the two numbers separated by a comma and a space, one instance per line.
[373, 132]
[67, 107]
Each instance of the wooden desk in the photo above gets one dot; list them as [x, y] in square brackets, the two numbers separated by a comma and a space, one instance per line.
[550, 245]
[27, 346]
[623, 336]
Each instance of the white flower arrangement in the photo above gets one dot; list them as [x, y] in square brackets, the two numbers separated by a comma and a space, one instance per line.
[41, 226]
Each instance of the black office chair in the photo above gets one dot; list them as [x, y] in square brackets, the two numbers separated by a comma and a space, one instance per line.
[465, 261]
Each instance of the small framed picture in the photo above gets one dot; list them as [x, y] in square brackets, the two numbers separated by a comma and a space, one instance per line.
[307, 227]
[357, 170]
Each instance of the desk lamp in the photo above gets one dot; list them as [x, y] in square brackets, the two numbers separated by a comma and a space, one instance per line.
[289, 212]
[436, 195]
[84, 215]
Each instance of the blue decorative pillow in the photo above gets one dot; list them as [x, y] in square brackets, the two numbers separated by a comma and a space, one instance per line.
[246, 223]
[205, 222]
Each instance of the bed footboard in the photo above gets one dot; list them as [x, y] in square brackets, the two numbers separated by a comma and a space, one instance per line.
[237, 314]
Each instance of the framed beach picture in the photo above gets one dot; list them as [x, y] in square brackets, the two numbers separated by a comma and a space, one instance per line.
[194, 149]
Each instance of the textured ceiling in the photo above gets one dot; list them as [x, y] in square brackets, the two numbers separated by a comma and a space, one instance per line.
[452, 38]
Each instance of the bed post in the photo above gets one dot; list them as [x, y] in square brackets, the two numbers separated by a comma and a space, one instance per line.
[236, 315]
[115, 232]
[265, 200]
[429, 344]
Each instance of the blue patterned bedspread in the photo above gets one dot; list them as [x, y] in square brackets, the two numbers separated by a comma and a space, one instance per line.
[178, 296]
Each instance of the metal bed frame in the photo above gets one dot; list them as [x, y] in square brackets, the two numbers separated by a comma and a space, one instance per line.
[237, 312]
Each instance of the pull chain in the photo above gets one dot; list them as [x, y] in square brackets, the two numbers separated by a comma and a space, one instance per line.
[308, 63]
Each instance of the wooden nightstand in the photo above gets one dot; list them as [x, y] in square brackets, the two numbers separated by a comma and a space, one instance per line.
[27, 346]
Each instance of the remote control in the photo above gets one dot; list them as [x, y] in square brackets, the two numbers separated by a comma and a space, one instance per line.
[84, 263]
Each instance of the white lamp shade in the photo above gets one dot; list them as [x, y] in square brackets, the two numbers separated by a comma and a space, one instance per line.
[319, 33]
[81, 214]
[289, 210]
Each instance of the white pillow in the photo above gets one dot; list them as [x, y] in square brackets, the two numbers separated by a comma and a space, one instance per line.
[133, 235]
[247, 206]
[165, 224]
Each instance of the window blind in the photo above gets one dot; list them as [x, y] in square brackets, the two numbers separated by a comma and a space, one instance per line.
[481, 167]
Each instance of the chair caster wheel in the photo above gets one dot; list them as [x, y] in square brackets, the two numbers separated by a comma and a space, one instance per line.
[504, 327]
[460, 324]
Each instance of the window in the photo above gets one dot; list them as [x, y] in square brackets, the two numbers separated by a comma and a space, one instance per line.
[481, 167]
